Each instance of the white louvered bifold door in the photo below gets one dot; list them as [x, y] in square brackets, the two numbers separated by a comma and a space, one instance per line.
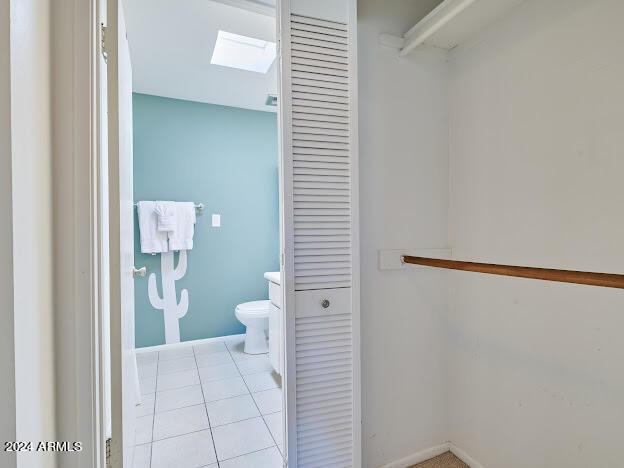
[324, 335]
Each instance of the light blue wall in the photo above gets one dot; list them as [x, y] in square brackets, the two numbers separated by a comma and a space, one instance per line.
[226, 158]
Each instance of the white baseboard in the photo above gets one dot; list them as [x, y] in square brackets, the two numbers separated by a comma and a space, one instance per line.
[429, 453]
[184, 344]
[419, 457]
[463, 456]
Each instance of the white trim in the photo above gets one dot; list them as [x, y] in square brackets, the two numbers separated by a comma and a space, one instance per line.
[186, 344]
[432, 452]
[355, 234]
[7, 330]
[287, 262]
[463, 456]
[419, 457]
[432, 23]
[74, 136]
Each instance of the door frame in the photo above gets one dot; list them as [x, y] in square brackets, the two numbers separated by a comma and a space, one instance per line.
[76, 50]
[75, 106]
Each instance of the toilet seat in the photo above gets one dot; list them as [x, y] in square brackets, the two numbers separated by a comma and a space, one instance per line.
[255, 307]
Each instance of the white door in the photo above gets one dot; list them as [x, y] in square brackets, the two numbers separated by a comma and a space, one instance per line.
[121, 240]
[318, 94]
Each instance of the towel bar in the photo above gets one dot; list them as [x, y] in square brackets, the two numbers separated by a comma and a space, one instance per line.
[198, 206]
[607, 280]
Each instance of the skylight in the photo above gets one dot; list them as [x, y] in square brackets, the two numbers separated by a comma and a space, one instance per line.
[245, 53]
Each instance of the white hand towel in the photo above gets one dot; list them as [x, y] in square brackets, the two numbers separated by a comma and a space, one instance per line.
[166, 213]
[182, 237]
[152, 241]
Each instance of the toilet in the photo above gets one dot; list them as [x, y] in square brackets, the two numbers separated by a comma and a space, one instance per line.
[255, 316]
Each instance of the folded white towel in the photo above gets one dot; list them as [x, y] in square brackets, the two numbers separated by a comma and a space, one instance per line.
[181, 238]
[166, 213]
[152, 241]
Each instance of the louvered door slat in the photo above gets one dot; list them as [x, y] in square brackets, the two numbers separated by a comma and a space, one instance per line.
[298, 19]
[321, 137]
[320, 104]
[323, 97]
[328, 46]
[325, 91]
[302, 54]
[313, 130]
[321, 29]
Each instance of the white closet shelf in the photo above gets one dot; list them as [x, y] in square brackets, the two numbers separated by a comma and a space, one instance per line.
[451, 23]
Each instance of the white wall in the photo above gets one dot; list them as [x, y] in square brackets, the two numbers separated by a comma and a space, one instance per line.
[403, 204]
[32, 226]
[75, 298]
[7, 351]
[537, 117]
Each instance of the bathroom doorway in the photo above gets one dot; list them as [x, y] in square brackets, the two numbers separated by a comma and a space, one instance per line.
[198, 187]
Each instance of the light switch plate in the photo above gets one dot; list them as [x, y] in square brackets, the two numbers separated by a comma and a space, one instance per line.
[216, 220]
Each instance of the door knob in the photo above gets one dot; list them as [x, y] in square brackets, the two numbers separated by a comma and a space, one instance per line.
[325, 303]
[138, 272]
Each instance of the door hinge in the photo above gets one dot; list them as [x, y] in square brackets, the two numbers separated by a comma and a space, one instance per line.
[103, 48]
[108, 452]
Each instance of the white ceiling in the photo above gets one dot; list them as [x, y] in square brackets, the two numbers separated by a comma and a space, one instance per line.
[171, 44]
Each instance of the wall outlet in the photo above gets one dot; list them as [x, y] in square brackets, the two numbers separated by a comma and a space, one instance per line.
[216, 220]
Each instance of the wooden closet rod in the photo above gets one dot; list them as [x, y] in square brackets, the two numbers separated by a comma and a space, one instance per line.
[607, 280]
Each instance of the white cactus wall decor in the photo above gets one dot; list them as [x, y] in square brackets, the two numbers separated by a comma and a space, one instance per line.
[173, 311]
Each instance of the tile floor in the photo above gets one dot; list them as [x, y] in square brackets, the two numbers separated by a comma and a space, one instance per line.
[209, 405]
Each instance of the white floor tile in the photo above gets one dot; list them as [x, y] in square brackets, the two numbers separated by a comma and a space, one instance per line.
[218, 372]
[235, 343]
[237, 349]
[142, 456]
[176, 365]
[231, 410]
[253, 366]
[149, 357]
[179, 398]
[261, 381]
[143, 429]
[244, 357]
[147, 370]
[186, 451]
[177, 380]
[213, 359]
[180, 421]
[269, 401]
[210, 347]
[175, 353]
[226, 388]
[276, 427]
[239, 438]
[147, 405]
[267, 458]
[147, 385]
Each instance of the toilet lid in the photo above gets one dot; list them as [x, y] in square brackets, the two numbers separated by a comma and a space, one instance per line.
[255, 306]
